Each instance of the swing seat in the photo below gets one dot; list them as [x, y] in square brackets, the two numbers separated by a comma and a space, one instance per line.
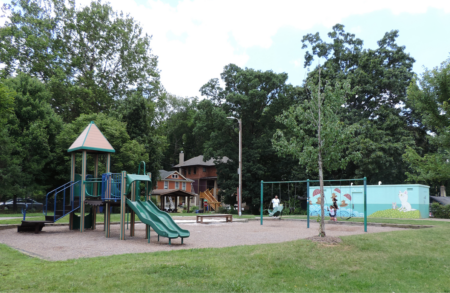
[275, 210]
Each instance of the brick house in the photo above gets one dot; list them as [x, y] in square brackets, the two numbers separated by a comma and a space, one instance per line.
[173, 191]
[203, 174]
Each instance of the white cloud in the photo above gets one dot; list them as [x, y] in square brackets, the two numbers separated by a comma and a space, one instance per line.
[206, 27]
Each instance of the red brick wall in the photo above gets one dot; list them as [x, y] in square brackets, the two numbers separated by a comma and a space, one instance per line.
[160, 185]
[210, 172]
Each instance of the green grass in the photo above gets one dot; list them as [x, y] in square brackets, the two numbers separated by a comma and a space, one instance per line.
[20, 215]
[403, 261]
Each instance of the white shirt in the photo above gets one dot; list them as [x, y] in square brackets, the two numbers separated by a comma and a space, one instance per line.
[275, 202]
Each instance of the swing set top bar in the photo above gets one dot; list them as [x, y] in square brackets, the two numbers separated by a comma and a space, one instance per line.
[304, 181]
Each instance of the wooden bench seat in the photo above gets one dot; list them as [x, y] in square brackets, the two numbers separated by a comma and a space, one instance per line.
[229, 218]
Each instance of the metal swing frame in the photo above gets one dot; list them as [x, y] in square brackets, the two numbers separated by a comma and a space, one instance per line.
[308, 181]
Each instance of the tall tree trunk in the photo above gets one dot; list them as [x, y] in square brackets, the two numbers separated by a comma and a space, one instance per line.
[322, 198]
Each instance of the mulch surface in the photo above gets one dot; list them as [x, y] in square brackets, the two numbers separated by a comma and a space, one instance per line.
[326, 240]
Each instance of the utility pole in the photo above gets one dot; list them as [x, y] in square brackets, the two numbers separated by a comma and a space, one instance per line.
[240, 164]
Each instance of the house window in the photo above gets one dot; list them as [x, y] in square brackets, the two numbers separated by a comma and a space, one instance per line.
[184, 186]
[195, 170]
[189, 170]
[166, 184]
[204, 169]
[177, 185]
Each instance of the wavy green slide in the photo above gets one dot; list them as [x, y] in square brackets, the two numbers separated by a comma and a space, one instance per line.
[160, 221]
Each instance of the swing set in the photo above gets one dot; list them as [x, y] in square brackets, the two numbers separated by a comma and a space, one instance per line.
[344, 194]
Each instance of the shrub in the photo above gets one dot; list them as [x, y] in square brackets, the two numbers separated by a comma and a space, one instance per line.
[193, 209]
[440, 211]
[222, 210]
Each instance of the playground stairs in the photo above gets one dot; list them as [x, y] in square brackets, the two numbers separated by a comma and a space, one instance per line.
[212, 201]
[62, 211]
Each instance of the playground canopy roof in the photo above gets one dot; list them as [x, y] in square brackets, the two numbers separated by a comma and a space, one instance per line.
[91, 139]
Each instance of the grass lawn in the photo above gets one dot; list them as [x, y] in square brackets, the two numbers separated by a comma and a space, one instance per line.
[404, 261]
[20, 215]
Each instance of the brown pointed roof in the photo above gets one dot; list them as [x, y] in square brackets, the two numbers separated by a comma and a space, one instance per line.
[91, 139]
[198, 161]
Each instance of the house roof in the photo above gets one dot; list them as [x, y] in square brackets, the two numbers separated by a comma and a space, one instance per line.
[163, 174]
[444, 200]
[198, 161]
[176, 192]
[91, 139]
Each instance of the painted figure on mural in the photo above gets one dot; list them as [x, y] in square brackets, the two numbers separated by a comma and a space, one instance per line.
[406, 206]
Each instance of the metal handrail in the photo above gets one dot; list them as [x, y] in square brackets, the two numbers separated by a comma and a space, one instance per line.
[62, 188]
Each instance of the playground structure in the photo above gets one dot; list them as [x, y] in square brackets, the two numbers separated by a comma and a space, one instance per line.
[212, 202]
[308, 197]
[109, 190]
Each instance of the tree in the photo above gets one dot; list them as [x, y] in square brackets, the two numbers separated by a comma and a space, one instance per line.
[89, 57]
[30, 138]
[256, 97]
[378, 79]
[8, 163]
[178, 125]
[315, 133]
[6, 103]
[139, 114]
[428, 101]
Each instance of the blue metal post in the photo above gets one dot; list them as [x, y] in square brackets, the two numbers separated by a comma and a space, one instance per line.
[54, 209]
[307, 202]
[365, 204]
[262, 188]
[64, 202]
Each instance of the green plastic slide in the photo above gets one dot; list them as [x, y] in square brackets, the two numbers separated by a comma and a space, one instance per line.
[162, 226]
[165, 218]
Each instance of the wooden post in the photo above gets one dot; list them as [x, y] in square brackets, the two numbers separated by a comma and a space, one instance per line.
[133, 198]
[107, 211]
[123, 198]
[94, 217]
[107, 221]
[72, 195]
[147, 197]
[95, 193]
[189, 204]
[83, 190]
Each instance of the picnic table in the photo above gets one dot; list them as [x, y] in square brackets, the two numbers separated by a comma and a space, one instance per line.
[229, 218]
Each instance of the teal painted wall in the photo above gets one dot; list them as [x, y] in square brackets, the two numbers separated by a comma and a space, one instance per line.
[383, 201]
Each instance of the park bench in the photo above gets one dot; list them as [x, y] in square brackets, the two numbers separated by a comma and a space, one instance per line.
[229, 218]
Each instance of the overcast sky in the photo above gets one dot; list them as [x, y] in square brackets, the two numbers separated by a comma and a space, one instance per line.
[195, 39]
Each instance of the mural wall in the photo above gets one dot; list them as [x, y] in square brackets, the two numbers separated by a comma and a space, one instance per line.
[383, 201]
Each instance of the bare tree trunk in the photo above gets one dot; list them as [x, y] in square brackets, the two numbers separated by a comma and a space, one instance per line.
[322, 198]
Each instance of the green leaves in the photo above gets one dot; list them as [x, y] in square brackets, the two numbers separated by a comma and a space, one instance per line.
[90, 57]
[256, 97]
[428, 101]
[300, 138]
